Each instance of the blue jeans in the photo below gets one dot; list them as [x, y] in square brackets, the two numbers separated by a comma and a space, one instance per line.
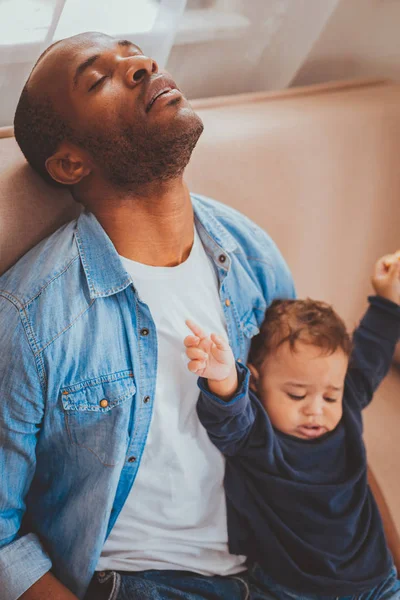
[389, 589]
[183, 585]
[172, 585]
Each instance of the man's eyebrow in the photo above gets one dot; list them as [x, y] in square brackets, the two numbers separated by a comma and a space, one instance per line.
[124, 43]
[83, 66]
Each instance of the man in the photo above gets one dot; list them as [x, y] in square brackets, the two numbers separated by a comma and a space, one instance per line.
[110, 487]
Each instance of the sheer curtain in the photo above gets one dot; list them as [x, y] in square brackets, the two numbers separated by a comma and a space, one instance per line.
[236, 46]
[27, 27]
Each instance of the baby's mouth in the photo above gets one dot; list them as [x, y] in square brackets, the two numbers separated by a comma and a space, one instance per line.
[311, 431]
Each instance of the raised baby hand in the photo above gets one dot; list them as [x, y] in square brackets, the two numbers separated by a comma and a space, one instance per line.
[211, 357]
[386, 277]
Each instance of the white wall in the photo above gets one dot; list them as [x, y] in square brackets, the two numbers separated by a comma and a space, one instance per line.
[362, 39]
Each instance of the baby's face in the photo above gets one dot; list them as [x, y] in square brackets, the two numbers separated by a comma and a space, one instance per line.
[302, 390]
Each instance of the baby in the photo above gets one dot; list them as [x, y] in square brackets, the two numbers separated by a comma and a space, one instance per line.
[290, 427]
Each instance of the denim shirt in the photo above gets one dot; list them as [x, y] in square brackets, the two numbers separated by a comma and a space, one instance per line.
[78, 370]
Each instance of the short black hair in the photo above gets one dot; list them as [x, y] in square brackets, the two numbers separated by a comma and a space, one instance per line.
[38, 127]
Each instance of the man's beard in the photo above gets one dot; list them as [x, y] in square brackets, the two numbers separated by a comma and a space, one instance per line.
[137, 156]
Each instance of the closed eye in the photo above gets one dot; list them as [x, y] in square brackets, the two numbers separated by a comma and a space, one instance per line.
[294, 397]
[330, 399]
[98, 82]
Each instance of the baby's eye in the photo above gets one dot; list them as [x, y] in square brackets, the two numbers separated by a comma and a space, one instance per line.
[294, 397]
[330, 399]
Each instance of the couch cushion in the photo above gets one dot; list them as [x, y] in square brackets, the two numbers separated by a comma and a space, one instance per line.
[29, 208]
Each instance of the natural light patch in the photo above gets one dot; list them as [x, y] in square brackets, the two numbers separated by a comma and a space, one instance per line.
[28, 21]
[127, 16]
[24, 21]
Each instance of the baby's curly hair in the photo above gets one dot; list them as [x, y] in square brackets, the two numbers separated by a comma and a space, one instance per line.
[309, 321]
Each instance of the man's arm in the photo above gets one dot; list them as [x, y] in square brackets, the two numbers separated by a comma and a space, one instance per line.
[22, 558]
[48, 588]
[392, 537]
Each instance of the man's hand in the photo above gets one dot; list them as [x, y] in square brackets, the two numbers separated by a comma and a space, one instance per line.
[386, 277]
[211, 357]
[48, 588]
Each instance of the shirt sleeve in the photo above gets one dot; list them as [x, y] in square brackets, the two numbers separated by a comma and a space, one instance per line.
[275, 275]
[237, 425]
[22, 558]
[374, 343]
[284, 284]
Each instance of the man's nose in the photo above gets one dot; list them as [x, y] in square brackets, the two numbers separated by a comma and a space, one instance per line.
[139, 68]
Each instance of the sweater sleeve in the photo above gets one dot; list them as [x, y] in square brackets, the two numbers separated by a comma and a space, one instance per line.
[236, 425]
[374, 343]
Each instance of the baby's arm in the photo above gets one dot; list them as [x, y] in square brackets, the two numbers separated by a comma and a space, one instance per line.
[226, 407]
[376, 337]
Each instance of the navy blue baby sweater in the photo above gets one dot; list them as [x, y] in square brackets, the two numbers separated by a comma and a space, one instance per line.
[302, 508]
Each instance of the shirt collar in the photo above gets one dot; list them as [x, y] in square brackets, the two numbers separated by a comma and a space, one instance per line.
[105, 273]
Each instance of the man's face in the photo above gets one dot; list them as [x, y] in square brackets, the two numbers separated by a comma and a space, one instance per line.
[130, 117]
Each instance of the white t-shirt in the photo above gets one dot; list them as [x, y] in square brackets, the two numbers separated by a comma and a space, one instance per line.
[175, 515]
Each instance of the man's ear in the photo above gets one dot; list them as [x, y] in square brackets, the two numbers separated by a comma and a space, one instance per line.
[68, 165]
[254, 377]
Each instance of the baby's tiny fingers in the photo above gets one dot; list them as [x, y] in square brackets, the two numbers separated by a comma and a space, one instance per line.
[219, 341]
[196, 329]
[196, 365]
[196, 354]
[191, 340]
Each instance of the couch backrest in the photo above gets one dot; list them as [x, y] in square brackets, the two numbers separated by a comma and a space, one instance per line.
[317, 167]
[29, 208]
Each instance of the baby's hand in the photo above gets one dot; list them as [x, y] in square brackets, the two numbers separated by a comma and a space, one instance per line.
[211, 357]
[386, 277]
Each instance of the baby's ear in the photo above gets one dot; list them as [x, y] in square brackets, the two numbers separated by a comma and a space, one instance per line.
[254, 377]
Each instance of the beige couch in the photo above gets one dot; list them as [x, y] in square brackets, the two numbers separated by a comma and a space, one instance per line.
[317, 167]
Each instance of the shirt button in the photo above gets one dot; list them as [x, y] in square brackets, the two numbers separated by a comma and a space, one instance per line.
[227, 302]
[146, 399]
[104, 403]
[144, 331]
[132, 459]
[222, 258]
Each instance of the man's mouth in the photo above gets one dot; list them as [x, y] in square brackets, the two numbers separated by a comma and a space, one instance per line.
[311, 431]
[161, 86]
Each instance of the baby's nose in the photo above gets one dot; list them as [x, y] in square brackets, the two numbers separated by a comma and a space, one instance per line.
[314, 407]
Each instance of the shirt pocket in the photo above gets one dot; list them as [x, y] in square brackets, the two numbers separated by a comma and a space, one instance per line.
[96, 415]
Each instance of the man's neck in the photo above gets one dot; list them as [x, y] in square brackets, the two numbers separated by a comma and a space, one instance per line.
[154, 227]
